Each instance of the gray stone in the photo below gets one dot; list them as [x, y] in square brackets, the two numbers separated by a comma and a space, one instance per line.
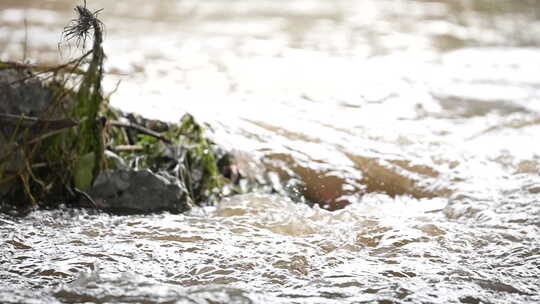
[138, 191]
[28, 110]
[19, 94]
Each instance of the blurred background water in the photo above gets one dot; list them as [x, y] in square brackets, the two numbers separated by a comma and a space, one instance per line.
[417, 122]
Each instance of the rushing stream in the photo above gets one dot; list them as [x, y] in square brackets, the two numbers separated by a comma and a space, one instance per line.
[411, 129]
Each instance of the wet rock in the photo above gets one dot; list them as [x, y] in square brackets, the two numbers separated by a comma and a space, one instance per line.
[20, 93]
[23, 94]
[142, 191]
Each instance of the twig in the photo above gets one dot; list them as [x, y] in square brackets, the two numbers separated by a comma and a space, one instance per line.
[36, 129]
[51, 127]
[41, 137]
[39, 125]
[75, 62]
[20, 120]
[86, 196]
[139, 128]
[126, 148]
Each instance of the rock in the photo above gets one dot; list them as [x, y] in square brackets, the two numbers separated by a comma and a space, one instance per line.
[132, 191]
[22, 94]
[18, 95]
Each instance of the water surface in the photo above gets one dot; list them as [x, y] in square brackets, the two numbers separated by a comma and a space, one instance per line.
[417, 122]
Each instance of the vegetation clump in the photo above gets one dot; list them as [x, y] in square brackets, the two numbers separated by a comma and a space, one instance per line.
[56, 145]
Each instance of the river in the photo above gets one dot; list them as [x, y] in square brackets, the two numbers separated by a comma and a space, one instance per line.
[405, 131]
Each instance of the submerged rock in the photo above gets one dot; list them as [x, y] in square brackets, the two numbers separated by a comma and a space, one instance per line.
[132, 191]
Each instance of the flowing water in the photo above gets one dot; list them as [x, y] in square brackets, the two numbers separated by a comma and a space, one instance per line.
[410, 129]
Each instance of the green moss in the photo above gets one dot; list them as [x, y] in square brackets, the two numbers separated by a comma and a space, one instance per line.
[198, 156]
